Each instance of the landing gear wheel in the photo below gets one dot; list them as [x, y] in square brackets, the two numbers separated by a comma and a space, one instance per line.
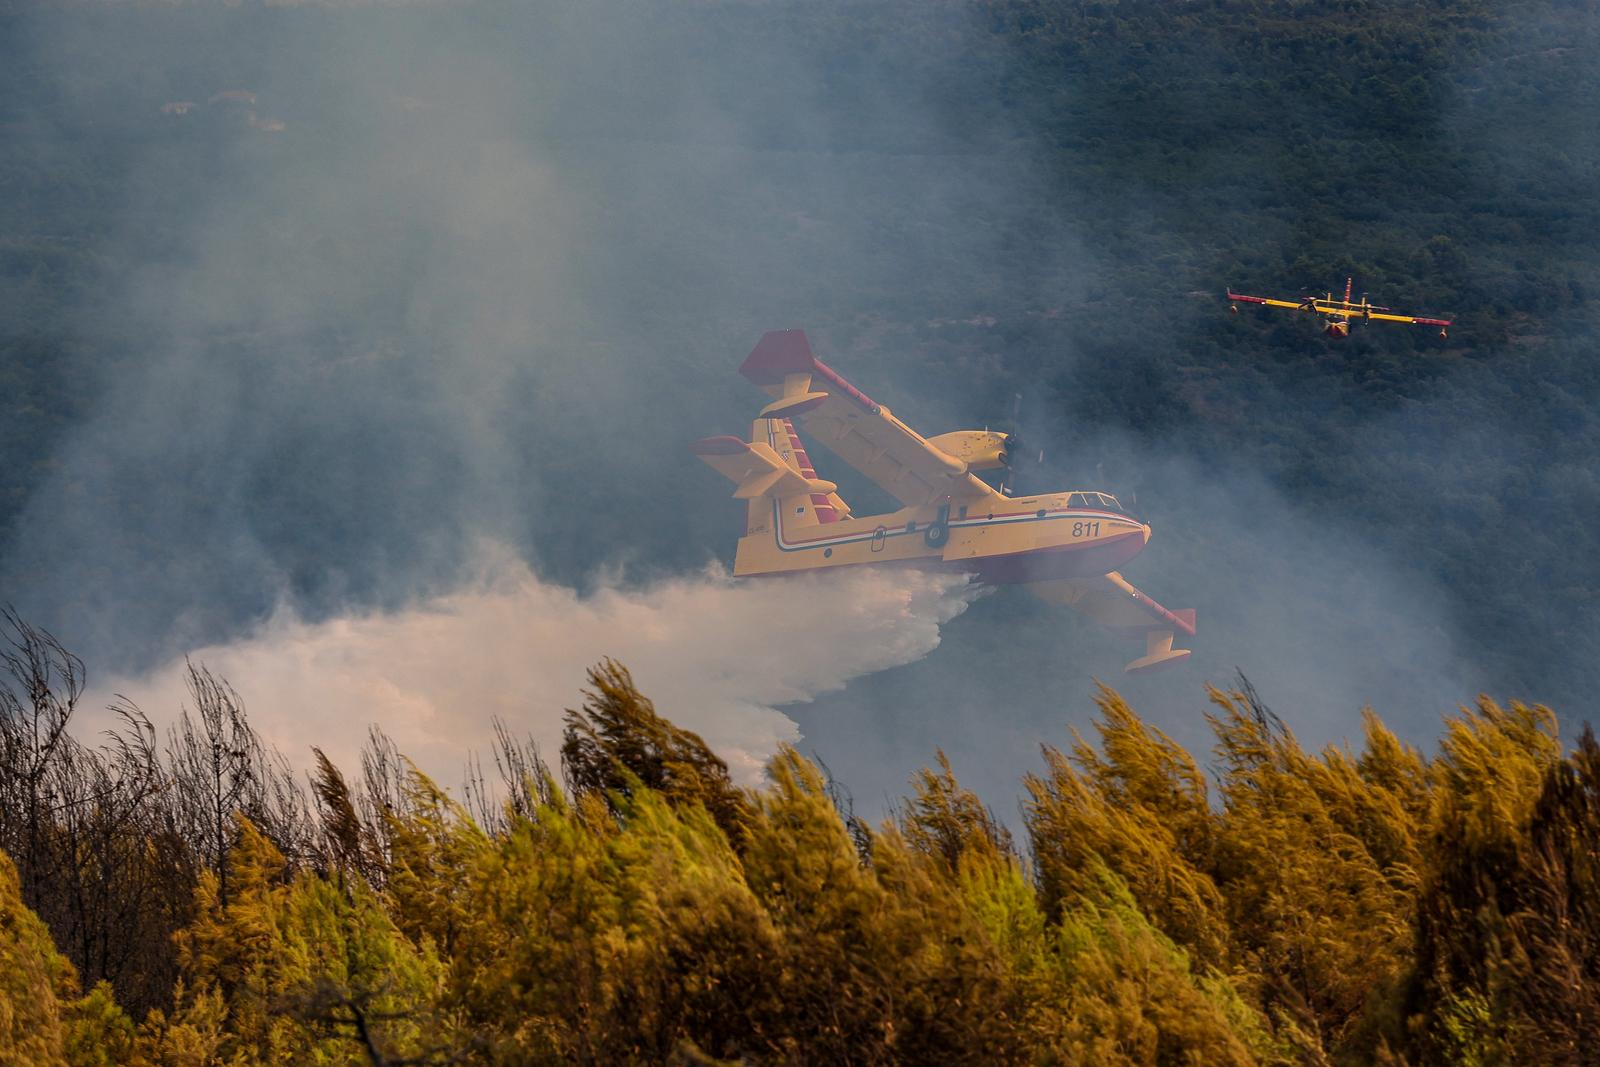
[936, 535]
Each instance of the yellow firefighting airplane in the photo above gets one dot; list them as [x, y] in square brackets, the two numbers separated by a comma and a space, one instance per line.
[1338, 314]
[1062, 546]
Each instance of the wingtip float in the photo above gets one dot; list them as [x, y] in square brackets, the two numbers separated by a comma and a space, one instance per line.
[1337, 315]
[1064, 547]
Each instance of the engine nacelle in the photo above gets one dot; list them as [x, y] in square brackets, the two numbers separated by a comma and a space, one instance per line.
[978, 449]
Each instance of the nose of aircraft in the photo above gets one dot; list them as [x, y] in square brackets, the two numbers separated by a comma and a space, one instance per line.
[1146, 528]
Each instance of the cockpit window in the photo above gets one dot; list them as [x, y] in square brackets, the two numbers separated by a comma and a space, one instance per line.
[1095, 500]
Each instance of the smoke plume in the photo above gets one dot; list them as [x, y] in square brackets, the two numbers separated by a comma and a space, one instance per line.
[716, 656]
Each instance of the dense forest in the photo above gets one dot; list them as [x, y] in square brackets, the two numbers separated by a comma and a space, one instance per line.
[188, 900]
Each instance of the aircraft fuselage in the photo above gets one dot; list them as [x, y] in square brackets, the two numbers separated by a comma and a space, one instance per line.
[1063, 547]
[1000, 539]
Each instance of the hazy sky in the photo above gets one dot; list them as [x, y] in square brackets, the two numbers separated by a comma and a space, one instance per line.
[411, 341]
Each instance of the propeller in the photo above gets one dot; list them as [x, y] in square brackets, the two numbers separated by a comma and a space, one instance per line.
[1017, 453]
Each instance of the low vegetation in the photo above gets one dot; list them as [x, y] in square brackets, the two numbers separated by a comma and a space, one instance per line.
[191, 902]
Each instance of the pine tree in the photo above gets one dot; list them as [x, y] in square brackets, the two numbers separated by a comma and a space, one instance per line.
[617, 739]
[43, 1020]
[296, 969]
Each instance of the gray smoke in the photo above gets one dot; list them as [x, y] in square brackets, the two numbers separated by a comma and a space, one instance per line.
[456, 274]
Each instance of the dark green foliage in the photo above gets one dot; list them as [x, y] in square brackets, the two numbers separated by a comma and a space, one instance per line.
[1559, 921]
[1508, 927]
[945, 820]
[618, 743]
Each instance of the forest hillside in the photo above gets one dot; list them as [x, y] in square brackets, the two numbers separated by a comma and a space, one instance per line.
[228, 285]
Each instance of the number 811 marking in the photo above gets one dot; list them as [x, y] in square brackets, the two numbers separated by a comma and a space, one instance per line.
[1086, 529]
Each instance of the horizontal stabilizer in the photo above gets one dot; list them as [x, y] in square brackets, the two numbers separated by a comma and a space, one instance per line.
[792, 405]
[758, 485]
[780, 483]
[756, 469]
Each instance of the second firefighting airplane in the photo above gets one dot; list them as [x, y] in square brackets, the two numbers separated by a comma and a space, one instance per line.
[1063, 546]
[1338, 314]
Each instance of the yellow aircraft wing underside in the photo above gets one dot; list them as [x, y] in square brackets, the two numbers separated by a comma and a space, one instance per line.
[1279, 303]
[864, 434]
[891, 453]
[1357, 313]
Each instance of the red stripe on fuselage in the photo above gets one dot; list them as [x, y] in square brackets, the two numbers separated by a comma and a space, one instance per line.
[956, 524]
[819, 501]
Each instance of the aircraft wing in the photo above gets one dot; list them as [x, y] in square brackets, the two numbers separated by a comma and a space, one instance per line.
[1357, 313]
[1337, 309]
[1113, 602]
[1298, 306]
[1412, 318]
[863, 433]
